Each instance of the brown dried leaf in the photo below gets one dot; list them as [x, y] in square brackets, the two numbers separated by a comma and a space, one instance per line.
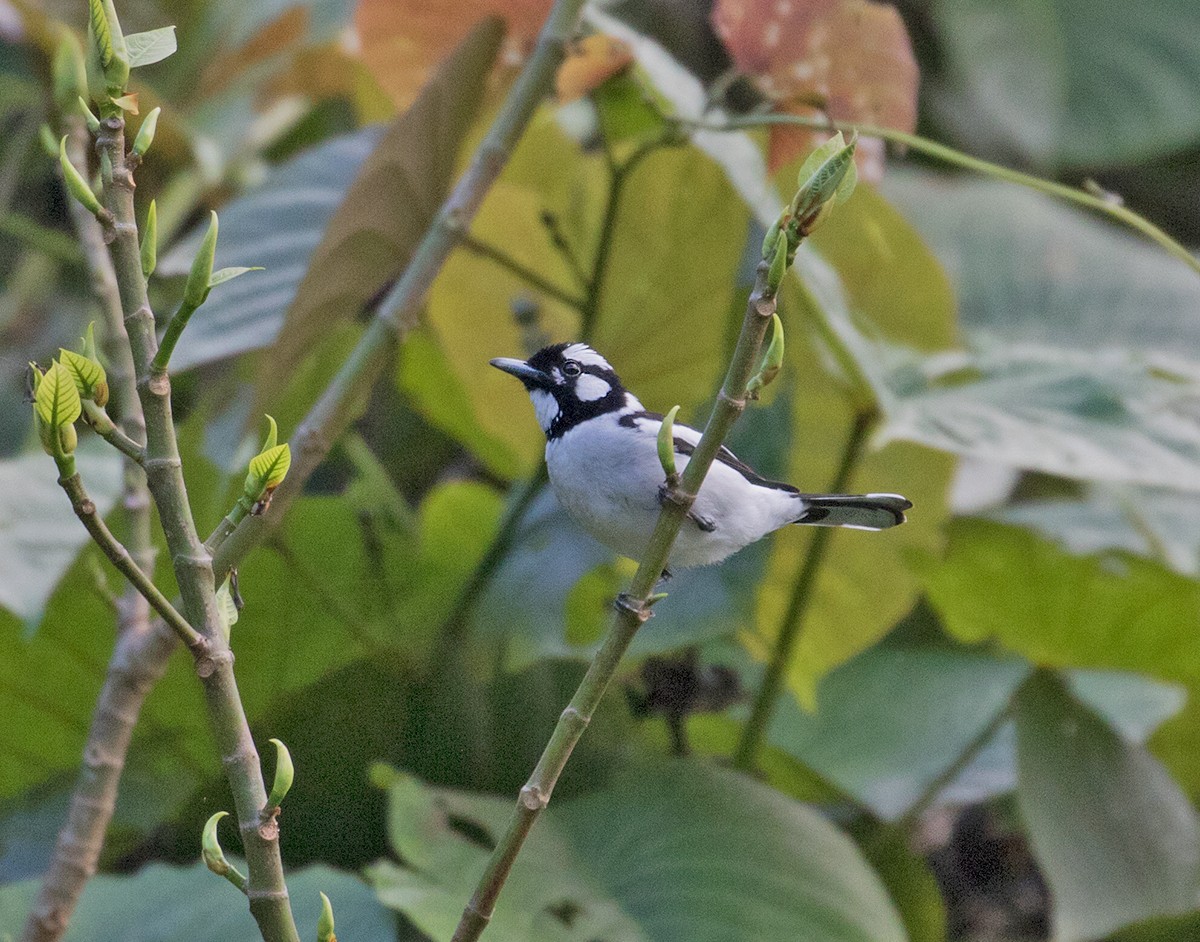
[402, 40]
[391, 202]
[589, 63]
[851, 60]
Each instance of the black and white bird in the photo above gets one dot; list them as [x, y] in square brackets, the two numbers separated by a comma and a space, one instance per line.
[602, 457]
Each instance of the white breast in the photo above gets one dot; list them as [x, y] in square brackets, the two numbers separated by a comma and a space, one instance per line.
[607, 476]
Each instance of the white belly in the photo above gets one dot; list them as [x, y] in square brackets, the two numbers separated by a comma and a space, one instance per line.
[607, 478]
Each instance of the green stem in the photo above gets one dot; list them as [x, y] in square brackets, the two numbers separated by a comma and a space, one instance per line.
[633, 609]
[949, 775]
[619, 174]
[527, 275]
[170, 337]
[239, 512]
[103, 426]
[957, 158]
[192, 562]
[344, 397]
[755, 731]
[120, 557]
[144, 644]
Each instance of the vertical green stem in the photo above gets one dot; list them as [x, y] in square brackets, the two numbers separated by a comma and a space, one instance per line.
[143, 644]
[633, 609]
[191, 560]
[755, 731]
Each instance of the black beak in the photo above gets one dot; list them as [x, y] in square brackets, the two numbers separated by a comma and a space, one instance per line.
[532, 377]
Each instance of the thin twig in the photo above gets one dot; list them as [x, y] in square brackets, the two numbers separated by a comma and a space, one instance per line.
[526, 274]
[144, 644]
[633, 609]
[755, 730]
[119, 556]
[957, 158]
[267, 889]
[346, 393]
[103, 426]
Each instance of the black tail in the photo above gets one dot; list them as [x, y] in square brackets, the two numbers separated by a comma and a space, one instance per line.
[857, 511]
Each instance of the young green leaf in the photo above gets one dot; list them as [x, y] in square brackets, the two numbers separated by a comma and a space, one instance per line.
[145, 134]
[151, 46]
[214, 857]
[270, 467]
[57, 398]
[70, 75]
[826, 178]
[666, 444]
[272, 438]
[93, 123]
[325, 921]
[772, 360]
[76, 185]
[226, 608]
[200, 276]
[228, 274]
[285, 774]
[88, 375]
[150, 240]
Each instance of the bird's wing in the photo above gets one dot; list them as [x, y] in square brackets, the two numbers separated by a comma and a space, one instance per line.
[686, 439]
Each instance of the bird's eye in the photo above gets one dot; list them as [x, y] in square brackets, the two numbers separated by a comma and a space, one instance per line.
[571, 368]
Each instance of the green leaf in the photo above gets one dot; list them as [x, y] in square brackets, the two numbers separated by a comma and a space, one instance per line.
[1101, 83]
[86, 374]
[228, 274]
[188, 904]
[226, 608]
[39, 535]
[151, 46]
[270, 467]
[1115, 837]
[57, 398]
[730, 859]
[1110, 610]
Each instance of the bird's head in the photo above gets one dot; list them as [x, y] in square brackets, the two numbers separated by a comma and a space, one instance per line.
[568, 383]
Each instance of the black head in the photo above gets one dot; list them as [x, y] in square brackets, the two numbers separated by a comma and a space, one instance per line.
[569, 383]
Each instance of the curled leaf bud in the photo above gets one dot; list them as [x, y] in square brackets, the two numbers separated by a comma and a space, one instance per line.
[69, 72]
[771, 239]
[666, 445]
[76, 185]
[196, 289]
[150, 239]
[267, 469]
[214, 857]
[779, 266]
[826, 179]
[772, 360]
[93, 123]
[85, 369]
[107, 55]
[56, 406]
[48, 141]
[325, 921]
[145, 134]
[285, 773]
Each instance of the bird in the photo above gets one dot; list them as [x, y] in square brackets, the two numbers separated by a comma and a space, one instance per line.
[603, 465]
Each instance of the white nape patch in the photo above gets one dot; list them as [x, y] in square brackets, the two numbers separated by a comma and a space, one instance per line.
[545, 408]
[633, 404]
[582, 353]
[589, 388]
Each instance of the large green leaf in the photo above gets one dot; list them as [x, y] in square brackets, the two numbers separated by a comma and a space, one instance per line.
[1111, 610]
[1034, 273]
[1117, 840]
[39, 534]
[190, 904]
[679, 850]
[1063, 82]
[665, 301]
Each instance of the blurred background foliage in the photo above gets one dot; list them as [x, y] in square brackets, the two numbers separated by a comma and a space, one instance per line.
[991, 715]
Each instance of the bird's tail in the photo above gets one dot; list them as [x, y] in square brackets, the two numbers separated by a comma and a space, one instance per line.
[857, 511]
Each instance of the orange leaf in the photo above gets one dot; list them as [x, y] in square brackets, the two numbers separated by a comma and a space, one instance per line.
[589, 63]
[403, 40]
[849, 59]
